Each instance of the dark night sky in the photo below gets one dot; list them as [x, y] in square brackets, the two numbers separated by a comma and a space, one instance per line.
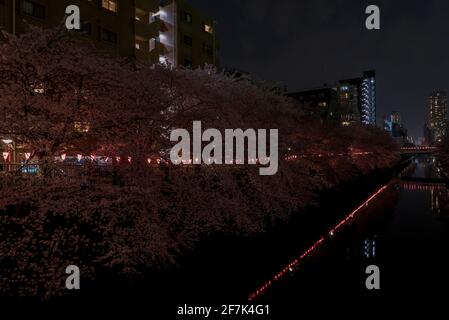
[307, 43]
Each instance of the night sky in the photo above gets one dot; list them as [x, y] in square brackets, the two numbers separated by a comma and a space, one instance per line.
[306, 43]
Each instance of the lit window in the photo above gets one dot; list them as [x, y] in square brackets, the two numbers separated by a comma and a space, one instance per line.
[110, 5]
[208, 28]
[81, 126]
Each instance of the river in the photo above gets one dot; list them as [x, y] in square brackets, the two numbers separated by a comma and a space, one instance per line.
[404, 231]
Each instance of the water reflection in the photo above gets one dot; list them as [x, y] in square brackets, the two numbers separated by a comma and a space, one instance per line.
[427, 177]
[369, 248]
[404, 231]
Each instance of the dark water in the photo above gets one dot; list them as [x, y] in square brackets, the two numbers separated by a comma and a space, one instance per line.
[405, 232]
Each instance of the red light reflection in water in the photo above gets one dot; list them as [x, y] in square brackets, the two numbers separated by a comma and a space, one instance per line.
[331, 232]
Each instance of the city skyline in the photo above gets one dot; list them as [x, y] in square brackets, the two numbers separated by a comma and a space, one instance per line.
[306, 44]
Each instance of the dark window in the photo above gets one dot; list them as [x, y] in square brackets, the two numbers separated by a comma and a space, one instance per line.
[86, 28]
[108, 36]
[188, 40]
[187, 17]
[207, 49]
[188, 63]
[33, 9]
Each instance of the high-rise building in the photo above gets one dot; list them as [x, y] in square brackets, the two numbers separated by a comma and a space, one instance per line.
[348, 101]
[394, 126]
[347, 104]
[436, 126]
[396, 118]
[366, 87]
[152, 31]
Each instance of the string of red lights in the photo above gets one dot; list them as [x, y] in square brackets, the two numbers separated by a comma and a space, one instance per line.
[261, 290]
[6, 155]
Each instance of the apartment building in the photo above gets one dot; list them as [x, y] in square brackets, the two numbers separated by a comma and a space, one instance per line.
[153, 31]
[437, 118]
[347, 101]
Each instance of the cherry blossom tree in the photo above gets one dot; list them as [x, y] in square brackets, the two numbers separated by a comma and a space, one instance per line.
[60, 95]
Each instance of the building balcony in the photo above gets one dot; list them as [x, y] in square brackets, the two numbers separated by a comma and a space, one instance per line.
[148, 56]
[147, 5]
[145, 56]
[148, 30]
[157, 48]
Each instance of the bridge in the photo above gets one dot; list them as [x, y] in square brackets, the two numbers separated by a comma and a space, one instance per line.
[417, 150]
[423, 183]
[422, 186]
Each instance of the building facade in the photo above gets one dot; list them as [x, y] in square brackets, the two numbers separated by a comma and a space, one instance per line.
[318, 101]
[436, 125]
[152, 31]
[394, 126]
[348, 101]
[346, 110]
[366, 88]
